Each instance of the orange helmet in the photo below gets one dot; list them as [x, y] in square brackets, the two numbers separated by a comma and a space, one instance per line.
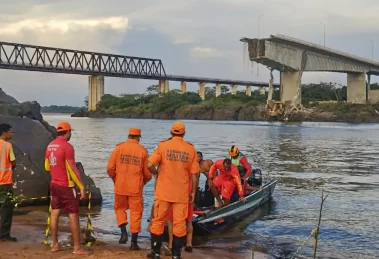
[233, 151]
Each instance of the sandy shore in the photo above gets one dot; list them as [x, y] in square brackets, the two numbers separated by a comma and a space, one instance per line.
[29, 228]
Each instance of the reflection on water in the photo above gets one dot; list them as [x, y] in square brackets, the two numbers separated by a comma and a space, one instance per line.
[341, 159]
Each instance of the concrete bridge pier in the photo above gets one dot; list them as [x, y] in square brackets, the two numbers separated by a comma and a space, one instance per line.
[163, 86]
[234, 89]
[218, 90]
[289, 87]
[183, 86]
[166, 86]
[356, 88]
[95, 91]
[202, 91]
[248, 90]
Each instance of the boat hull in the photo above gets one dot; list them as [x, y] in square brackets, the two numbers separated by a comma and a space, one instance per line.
[216, 221]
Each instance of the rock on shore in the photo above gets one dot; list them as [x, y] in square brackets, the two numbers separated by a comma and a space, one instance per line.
[31, 136]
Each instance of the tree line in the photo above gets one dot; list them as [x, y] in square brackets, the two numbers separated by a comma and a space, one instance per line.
[152, 101]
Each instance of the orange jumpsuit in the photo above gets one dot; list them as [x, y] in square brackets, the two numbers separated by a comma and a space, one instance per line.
[128, 168]
[177, 161]
[226, 181]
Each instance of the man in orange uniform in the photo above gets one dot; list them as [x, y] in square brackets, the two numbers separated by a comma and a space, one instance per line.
[128, 169]
[8, 163]
[204, 167]
[189, 218]
[60, 162]
[227, 181]
[178, 167]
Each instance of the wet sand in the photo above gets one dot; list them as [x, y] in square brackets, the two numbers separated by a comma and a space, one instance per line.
[29, 228]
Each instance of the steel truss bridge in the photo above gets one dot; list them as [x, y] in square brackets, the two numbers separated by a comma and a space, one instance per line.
[17, 56]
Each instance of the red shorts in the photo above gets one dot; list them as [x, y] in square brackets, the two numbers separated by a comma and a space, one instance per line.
[227, 186]
[64, 198]
[189, 215]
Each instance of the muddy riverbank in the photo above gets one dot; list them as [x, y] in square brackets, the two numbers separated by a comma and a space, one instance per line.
[29, 228]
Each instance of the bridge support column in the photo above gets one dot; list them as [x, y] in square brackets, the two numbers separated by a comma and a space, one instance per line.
[248, 90]
[95, 91]
[356, 87]
[183, 87]
[161, 86]
[234, 89]
[166, 86]
[202, 91]
[290, 87]
[262, 91]
[218, 90]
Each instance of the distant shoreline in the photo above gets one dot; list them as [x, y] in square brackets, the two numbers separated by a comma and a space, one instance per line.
[60, 109]
[345, 113]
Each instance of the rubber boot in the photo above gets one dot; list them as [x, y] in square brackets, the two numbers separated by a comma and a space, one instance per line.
[156, 243]
[177, 244]
[124, 234]
[134, 246]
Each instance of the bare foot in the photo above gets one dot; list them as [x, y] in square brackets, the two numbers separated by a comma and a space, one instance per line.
[81, 251]
[55, 248]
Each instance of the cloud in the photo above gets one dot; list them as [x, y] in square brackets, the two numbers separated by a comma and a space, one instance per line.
[63, 26]
[193, 38]
[201, 52]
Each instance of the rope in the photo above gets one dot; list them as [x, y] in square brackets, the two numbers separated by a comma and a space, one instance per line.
[19, 200]
[88, 228]
[89, 222]
[305, 241]
[46, 242]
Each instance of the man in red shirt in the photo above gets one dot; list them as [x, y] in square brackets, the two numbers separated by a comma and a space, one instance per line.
[60, 162]
[227, 180]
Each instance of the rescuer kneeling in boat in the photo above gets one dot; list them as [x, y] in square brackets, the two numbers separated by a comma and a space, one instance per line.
[227, 180]
[239, 160]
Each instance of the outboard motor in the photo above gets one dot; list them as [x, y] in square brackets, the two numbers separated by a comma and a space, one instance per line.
[256, 179]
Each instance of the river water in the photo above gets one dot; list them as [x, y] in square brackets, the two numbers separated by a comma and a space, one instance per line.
[306, 158]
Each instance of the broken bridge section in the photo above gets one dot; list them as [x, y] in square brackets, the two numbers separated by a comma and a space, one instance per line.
[292, 57]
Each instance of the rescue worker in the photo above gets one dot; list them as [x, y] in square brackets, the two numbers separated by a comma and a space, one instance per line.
[165, 250]
[227, 181]
[189, 226]
[239, 160]
[128, 169]
[178, 168]
[60, 162]
[8, 164]
[205, 165]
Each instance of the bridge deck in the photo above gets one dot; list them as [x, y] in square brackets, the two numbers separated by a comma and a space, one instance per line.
[287, 53]
[57, 60]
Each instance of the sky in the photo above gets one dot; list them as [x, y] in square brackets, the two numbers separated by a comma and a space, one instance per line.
[192, 38]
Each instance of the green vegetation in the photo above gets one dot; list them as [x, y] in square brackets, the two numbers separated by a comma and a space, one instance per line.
[153, 102]
[323, 92]
[59, 109]
[169, 102]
